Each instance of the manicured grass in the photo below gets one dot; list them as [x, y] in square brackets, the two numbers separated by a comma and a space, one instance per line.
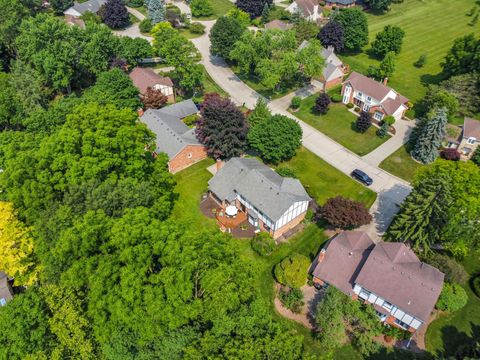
[339, 124]
[142, 9]
[220, 8]
[401, 164]
[188, 34]
[133, 19]
[323, 181]
[430, 28]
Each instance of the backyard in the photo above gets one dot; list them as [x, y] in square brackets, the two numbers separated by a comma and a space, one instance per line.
[220, 8]
[401, 164]
[430, 28]
[339, 124]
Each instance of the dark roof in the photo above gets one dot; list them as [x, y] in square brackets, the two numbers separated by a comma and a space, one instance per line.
[5, 289]
[144, 78]
[471, 128]
[172, 134]
[394, 272]
[269, 192]
[342, 260]
[90, 5]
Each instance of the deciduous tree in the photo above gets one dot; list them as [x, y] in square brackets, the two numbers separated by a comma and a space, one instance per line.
[153, 99]
[379, 5]
[252, 7]
[389, 39]
[292, 271]
[345, 213]
[364, 121]
[59, 6]
[260, 113]
[321, 103]
[115, 14]
[201, 8]
[452, 298]
[332, 34]
[463, 57]
[224, 34]
[355, 27]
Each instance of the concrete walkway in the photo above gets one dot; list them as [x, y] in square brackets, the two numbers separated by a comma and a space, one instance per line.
[133, 30]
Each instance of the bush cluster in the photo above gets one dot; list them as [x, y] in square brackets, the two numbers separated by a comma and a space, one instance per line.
[263, 244]
[292, 299]
[345, 213]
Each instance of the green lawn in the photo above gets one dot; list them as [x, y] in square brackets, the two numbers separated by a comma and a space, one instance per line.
[188, 34]
[430, 28]
[339, 124]
[220, 8]
[209, 85]
[142, 9]
[401, 164]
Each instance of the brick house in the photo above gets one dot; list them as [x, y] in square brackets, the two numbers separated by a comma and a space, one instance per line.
[373, 96]
[334, 69]
[389, 276]
[270, 202]
[175, 138]
[309, 9]
[6, 292]
[469, 138]
[143, 78]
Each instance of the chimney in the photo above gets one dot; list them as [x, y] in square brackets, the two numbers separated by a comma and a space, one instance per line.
[140, 112]
[219, 164]
[330, 48]
[321, 256]
[385, 81]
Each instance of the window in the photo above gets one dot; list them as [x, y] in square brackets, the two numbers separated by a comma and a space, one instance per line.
[366, 107]
[378, 115]
[369, 98]
[364, 294]
[359, 94]
[3, 302]
[401, 324]
[387, 305]
[471, 141]
[189, 155]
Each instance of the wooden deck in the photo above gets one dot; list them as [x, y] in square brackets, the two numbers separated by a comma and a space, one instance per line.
[228, 221]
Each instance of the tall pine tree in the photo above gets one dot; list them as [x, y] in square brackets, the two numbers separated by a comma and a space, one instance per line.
[156, 10]
[430, 137]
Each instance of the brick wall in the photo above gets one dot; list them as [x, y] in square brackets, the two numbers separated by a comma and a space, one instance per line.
[332, 83]
[188, 156]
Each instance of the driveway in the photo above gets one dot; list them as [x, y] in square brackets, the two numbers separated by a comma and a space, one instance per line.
[133, 30]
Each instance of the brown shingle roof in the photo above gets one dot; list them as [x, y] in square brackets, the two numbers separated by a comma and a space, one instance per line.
[393, 272]
[143, 78]
[307, 6]
[371, 87]
[278, 24]
[344, 257]
[471, 128]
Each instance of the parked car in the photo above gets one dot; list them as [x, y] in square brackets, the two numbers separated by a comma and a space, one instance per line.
[362, 177]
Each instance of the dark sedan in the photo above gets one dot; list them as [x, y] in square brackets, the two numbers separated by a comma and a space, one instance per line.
[362, 177]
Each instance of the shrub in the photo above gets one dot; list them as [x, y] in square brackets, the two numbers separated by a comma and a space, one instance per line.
[292, 299]
[364, 121]
[450, 154]
[197, 28]
[476, 285]
[154, 99]
[321, 103]
[292, 271]
[201, 8]
[345, 213]
[135, 3]
[422, 60]
[357, 109]
[390, 120]
[191, 120]
[383, 131]
[454, 271]
[476, 156]
[309, 216]
[396, 333]
[452, 298]
[296, 102]
[336, 98]
[145, 26]
[263, 244]
[350, 106]
[286, 171]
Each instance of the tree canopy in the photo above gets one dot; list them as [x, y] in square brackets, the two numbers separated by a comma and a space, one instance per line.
[224, 34]
[332, 34]
[389, 39]
[355, 26]
[463, 57]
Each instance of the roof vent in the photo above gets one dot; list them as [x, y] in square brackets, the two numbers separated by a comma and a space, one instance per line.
[409, 302]
[350, 253]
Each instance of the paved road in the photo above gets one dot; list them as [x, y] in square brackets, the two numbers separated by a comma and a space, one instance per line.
[133, 31]
[390, 189]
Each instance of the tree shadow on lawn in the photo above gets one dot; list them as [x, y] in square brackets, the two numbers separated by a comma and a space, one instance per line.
[457, 343]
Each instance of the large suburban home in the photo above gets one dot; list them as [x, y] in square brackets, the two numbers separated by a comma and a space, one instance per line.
[81, 8]
[387, 275]
[468, 140]
[339, 3]
[308, 9]
[373, 96]
[143, 78]
[6, 292]
[334, 69]
[247, 188]
[175, 138]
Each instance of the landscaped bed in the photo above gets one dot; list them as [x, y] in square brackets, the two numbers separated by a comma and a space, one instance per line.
[339, 124]
[401, 164]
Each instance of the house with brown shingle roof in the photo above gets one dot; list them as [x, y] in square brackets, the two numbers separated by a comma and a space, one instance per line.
[470, 137]
[373, 96]
[309, 9]
[143, 78]
[389, 276]
[278, 24]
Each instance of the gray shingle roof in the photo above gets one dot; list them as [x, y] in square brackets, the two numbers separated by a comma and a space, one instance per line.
[269, 192]
[172, 134]
[90, 5]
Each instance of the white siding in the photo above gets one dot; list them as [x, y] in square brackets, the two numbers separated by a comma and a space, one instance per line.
[415, 324]
[379, 301]
[356, 289]
[372, 298]
[293, 212]
[166, 90]
[399, 314]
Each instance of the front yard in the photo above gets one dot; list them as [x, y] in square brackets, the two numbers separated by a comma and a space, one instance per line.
[339, 124]
[401, 164]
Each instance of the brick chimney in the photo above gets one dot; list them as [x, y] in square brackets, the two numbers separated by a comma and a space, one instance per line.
[140, 112]
[385, 81]
[219, 164]
[322, 255]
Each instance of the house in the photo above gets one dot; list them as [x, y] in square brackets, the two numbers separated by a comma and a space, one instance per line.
[6, 292]
[271, 202]
[389, 276]
[175, 138]
[373, 96]
[334, 70]
[339, 3]
[143, 78]
[469, 138]
[78, 9]
[278, 24]
[309, 9]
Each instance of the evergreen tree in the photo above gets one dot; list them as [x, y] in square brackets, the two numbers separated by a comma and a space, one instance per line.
[156, 10]
[259, 114]
[383, 131]
[430, 137]
[265, 13]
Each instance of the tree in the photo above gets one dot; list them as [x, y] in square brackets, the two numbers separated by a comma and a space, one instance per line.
[133, 49]
[463, 57]
[115, 14]
[345, 213]
[222, 127]
[430, 136]
[156, 10]
[253, 7]
[452, 298]
[321, 103]
[379, 5]
[476, 157]
[59, 6]
[454, 271]
[332, 327]
[364, 121]
[145, 25]
[466, 89]
[153, 99]
[332, 34]
[389, 39]
[437, 98]
[383, 131]
[17, 257]
[292, 271]
[305, 30]
[201, 8]
[224, 34]
[260, 113]
[309, 61]
[450, 154]
[11, 16]
[355, 25]
[276, 139]
[241, 16]
[422, 60]
[263, 244]
[265, 13]
[292, 299]
[387, 66]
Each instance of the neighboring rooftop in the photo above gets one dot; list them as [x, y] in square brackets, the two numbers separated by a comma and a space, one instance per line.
[372, 87]
[172, 134]
[269, 192]
[90, 5]
[278, 24]
[144, 78]
[471, 128]
[341, 2]
[307, 6]
[333, 64]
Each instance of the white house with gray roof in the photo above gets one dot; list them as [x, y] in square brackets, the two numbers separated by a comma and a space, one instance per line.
[272, 203]
[174, 138]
